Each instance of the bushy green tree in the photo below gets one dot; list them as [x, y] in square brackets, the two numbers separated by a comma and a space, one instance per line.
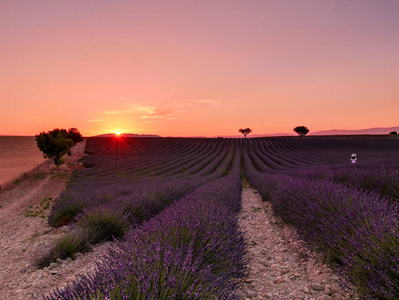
[75, 136]
[301, 131]
[245, 131]
[57, 142]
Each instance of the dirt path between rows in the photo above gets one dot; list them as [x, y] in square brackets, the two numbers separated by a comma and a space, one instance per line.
[24, 233]
[280, 266]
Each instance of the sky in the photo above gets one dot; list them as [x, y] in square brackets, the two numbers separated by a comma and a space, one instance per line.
[198, 68]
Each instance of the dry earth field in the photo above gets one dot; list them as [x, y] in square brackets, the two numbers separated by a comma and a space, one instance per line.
[18, 154]
[25, 235]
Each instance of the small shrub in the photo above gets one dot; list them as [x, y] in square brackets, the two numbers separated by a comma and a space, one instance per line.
[64, 213]
[104, 224]
[66, 246]
[136, 212]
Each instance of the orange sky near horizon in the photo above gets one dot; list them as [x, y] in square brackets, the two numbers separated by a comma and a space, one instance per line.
[198, 68]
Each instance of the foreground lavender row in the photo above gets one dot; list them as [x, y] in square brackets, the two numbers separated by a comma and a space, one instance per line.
[380, 176]
[353, 224]
[173, 209]
[192, 250]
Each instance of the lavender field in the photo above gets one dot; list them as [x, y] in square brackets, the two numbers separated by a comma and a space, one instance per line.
[172, 205]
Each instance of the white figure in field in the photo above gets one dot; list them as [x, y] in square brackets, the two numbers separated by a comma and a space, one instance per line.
[353, 158]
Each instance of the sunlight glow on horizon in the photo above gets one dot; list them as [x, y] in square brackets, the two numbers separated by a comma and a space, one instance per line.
[203, 68]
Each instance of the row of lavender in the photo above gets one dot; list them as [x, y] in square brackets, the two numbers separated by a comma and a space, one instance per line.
[127, 159]
[381, 176]
[348, 213]
[287, 152]
[193, 249]
[143, 195]
[99, 210]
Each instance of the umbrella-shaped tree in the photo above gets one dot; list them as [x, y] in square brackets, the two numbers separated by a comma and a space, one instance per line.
[301, 131]
[245, 131]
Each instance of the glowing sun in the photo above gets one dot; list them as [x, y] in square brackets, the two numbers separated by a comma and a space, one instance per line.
[118, 133]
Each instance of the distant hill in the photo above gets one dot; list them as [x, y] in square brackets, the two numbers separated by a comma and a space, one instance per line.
[256, 135]
[376, 130]
[128, 135]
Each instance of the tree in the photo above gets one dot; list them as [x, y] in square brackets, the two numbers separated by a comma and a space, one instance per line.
[245, 131]
[393, 133]
[75, 136]
[301, 130]
[56, 143]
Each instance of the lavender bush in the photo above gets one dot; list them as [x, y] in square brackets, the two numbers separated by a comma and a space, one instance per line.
[64, 247]
[380, 176]
[192, 250]
[104, 223]
[154, 195]
[356, 231]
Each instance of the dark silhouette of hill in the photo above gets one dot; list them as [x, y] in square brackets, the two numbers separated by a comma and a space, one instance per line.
[371, 131]
[375, 130]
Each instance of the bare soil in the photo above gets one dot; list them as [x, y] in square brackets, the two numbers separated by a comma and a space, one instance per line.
[18, 154]
[24, 237]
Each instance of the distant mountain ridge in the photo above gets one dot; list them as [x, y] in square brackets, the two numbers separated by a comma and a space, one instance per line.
[375, 130]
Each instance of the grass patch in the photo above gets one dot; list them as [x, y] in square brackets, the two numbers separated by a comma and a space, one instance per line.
[61, 174]
[39, 176]
[258, 209]
[38, 210]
